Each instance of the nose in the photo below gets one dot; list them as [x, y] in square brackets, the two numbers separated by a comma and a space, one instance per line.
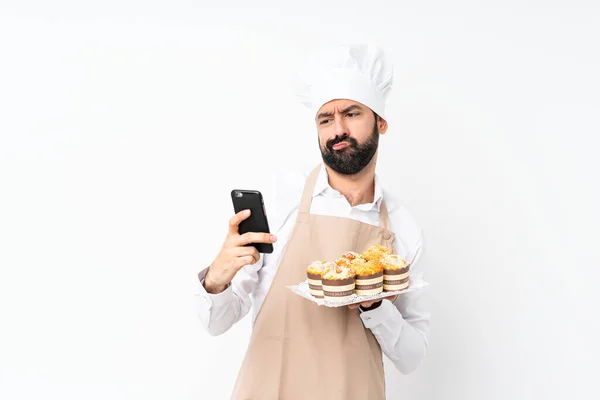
[339, 126]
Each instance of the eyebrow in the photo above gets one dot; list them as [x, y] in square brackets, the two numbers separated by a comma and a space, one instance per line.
[344, 111]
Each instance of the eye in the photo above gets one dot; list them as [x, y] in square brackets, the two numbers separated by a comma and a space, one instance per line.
[324, 121]
[352, 114]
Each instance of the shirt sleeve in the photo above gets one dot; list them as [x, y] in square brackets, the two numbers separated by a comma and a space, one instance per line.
[219, 312]
[402, 327]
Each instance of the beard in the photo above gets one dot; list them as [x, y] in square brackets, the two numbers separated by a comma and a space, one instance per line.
[353, 158]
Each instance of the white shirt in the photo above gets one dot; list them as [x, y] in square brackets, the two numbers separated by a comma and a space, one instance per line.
[401, 328]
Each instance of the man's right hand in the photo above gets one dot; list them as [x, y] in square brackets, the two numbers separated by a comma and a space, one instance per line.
[234, 254]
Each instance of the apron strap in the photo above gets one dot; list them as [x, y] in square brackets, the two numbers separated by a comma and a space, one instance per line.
[309, 187]
[384, 218]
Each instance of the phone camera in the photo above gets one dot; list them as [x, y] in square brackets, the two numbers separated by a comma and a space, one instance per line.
[238, 194]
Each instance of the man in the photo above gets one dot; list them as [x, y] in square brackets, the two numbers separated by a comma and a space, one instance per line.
[297, 349]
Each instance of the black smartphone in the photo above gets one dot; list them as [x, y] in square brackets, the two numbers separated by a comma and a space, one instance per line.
[257, 221]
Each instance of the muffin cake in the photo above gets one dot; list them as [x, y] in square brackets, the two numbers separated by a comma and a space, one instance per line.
[395, 274]
[338, 282]
[375, 253]
[346, 259]
[314, 273]
[369, 277]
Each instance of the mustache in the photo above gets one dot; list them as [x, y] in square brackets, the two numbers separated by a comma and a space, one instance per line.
[339, 139]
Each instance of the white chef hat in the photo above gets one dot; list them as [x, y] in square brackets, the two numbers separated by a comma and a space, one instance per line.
[358, 72]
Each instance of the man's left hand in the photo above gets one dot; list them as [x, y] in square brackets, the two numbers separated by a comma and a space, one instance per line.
[367, 304]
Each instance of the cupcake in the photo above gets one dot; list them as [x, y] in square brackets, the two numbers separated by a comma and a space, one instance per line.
[395, 273]
[313, 273]
[338, 283]
[369, 277]
[346, 259]
[376, 252]
[351, 256]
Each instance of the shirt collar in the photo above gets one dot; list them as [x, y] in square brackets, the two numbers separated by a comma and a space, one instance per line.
[322, 187]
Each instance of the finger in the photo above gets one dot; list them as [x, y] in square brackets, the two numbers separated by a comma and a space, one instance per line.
[363, 304]
[254, 237]
[241, 262]
[234, 222]
[245, 251]
[255, 254]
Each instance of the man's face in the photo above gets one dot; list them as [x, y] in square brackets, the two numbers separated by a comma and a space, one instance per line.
[348, 135]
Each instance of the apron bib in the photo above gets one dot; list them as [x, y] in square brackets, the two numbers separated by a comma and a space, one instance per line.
[299, 350]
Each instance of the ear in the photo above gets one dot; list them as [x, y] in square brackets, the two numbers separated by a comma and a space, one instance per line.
[382, 125]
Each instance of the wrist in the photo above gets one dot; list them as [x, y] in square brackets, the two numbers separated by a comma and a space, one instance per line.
[372, 306]
[211, 287]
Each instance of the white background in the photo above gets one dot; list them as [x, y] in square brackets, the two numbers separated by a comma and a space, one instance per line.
[125, 124]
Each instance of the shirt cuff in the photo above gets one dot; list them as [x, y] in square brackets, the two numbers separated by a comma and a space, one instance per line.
[376, 317]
